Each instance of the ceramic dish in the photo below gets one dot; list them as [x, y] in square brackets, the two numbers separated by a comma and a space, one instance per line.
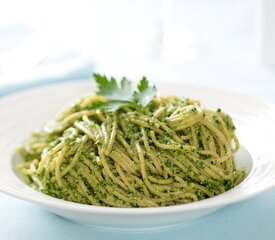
[22, 112]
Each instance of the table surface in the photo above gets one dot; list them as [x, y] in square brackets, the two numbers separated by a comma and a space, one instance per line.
[251, 219]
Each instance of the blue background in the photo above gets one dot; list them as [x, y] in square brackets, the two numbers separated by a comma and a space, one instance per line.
[251, 219]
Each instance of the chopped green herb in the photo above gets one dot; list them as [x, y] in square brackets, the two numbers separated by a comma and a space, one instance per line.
[121, 95]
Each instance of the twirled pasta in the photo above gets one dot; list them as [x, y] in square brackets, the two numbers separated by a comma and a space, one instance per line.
[172, 152]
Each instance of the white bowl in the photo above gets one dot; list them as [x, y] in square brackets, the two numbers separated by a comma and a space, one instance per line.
[20, 113]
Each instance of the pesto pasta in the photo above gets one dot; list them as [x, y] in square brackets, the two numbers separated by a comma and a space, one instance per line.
[172, 151]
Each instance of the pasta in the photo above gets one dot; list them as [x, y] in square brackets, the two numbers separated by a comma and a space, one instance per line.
[172, 152]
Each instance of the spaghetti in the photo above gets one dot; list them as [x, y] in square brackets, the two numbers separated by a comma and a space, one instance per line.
[172, 152]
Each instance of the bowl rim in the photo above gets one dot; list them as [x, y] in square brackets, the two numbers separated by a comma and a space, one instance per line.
[216, 201]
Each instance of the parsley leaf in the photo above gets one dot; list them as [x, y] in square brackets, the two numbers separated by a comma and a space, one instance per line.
[120, 94]
[146, 93]
[111, 90]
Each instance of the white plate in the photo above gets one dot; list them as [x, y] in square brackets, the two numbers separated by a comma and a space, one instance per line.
[20, 113]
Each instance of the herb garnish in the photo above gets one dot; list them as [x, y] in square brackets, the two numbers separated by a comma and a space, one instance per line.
[120, 94]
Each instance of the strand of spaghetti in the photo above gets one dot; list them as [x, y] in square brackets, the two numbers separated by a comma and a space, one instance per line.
[94, 181]
[122, 123]
[229, 166]
[112, 137]
[121, 149]
[117, 194]
[159, 112]
[204, 138]
[185, 169]
[75, 158]
[142, 167]
[239, 178]
[146, 125]
[204, 190]
[185, 137]
[87, 100]
[215, 131]
[211, 173]
[58, 163]
[93, 168]
[161, 145]
[151, 168]
[211, 144]
[48, 155]
[125, 180]
[101, 192]
[145, 177]
[207, 152]
[83, 189]
[159, 124]
[237, 144]
[127, 158]
[181, 122]
[219, 121]
[35, 178]
[149, 151]
[223, 128]
[147, 203]
[160, 181]
[186, 124]
[185, 111]
[180, 196]
[100, 115]
[194, 137]
[207, 170]
[67, 187]
[95, 135]
[219, 145]
[221, 138]
[75, 116]
[120, 193]
[123, 161]
[108, 170]
[218, 171]
[71, 181]
[105, 134]
[127, 147]
[139, 184]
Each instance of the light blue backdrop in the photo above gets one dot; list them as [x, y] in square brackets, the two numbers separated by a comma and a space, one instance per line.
[252, 219]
